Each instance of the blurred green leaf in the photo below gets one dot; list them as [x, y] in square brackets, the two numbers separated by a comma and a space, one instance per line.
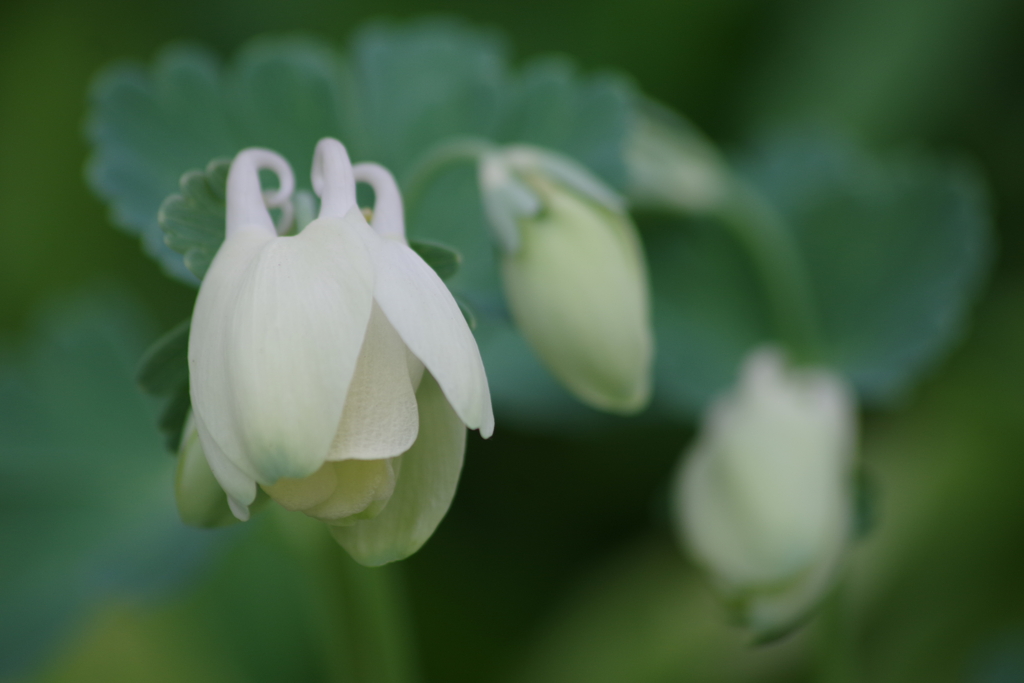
[283, 603]
[419, 83]
[163, 371]
[286, 93]
[707, 311]
[937, 584]
[584, 116]
[88, 504]
[443, 260]
[164, 365]
[147, 127]
[896, 248]
[405, 89]
[173, 415]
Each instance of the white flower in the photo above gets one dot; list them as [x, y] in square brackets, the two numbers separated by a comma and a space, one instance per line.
[764, 497]
[574, 274]
[333, 367]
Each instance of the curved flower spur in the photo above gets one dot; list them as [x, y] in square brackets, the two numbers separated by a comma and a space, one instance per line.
[333, 367]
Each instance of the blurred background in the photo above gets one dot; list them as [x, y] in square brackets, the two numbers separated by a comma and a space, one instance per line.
[556, 561]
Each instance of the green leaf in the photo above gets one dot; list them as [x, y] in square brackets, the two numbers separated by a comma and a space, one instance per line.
[708, 311]
[584, 116]
[163, 371]
[420, 83]
[147, 127]
[88, 507]
[193, 221]
[467, 312]
[896, 250]
[173, 416]
[404, 89]
[150, 126]
[164, 365]
[443, 260]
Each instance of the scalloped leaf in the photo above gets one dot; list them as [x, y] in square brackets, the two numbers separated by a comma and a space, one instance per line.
[193, 221]
[443, 260]
[584, 116]
[163, 372]
[897, 250]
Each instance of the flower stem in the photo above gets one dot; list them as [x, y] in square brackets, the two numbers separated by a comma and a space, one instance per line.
[437, 158]
[769, 243]
[836, 658]
[361, 614]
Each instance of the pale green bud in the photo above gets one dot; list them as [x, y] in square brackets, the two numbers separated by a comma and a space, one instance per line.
[574, 274]
[201, 501]
[764, 497]
[671, 165]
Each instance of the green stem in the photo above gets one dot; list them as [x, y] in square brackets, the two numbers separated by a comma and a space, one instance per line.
[437, 158]
[769, 243]
[836, 656]
[361, 614]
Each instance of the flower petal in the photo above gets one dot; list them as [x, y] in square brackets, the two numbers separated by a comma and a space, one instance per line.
[199, 496]
[299, 494]
[423, 311]
[426, 485]
[362, 485]
[380, 418]
[239, 486]
[275, 337]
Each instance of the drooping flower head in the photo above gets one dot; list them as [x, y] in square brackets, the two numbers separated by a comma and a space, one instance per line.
[764, 498]
[574, 274]
[325, 365]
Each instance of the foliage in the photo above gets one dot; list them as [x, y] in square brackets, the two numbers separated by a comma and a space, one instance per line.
[896, 248]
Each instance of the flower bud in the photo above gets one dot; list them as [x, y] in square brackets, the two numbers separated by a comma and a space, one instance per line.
[764, 497]
[671, 165]
[574, 274]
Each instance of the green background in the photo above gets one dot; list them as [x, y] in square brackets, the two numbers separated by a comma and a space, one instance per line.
[555, 562]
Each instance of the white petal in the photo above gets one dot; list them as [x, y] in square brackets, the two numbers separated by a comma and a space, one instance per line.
[275, 336]
[199, 496]
[332, 178]
[426, 485]
[423, 311]
[388, 212]
[380, 419]
[247, 203]
[239, 487]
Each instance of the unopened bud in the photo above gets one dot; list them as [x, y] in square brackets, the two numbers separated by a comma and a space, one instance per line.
[764, 498]
[574, 274]
[671, 165]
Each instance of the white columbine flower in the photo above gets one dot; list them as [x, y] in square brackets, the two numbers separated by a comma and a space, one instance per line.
[574, 274]
[764, 497]
[333, 367]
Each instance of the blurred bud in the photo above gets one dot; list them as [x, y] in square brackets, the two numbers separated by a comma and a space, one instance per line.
[671, 165]
[764, 498]
[201, 501]
[574, 274]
